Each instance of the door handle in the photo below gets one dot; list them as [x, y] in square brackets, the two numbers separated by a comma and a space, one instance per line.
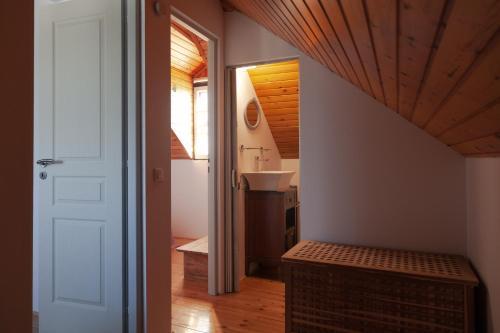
[44, 162]
[233, 178]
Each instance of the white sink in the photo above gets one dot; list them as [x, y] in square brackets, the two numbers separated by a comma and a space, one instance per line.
[269, 180]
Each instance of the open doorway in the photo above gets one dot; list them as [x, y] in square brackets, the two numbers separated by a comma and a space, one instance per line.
[189, 154]
[266, 162]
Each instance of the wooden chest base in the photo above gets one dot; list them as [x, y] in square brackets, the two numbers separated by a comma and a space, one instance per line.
[339, 288]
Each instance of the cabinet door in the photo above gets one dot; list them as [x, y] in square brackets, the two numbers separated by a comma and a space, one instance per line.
[268, 224]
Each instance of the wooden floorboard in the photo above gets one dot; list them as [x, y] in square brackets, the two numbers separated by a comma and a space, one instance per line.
[258, 308]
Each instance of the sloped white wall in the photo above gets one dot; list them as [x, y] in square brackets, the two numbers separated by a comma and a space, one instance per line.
[367, 175]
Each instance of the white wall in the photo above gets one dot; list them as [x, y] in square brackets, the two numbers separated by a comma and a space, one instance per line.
[367, 175]
[483, 216]
[189, 198]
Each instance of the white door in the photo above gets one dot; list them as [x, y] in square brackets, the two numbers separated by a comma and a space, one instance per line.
[80, 196]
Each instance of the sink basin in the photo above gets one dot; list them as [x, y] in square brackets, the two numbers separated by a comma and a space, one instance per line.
[269, 180]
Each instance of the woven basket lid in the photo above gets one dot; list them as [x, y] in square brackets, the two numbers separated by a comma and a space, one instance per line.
[437, 266]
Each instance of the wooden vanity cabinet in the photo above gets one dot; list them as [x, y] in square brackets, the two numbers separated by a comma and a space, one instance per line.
[270, 226]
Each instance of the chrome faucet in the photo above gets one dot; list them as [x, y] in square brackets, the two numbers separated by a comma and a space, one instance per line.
[260, 159]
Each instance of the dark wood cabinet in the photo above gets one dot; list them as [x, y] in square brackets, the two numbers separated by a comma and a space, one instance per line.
[270, 226]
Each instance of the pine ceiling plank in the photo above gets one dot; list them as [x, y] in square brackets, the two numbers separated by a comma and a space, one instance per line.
[288, 68]
[282, 111]
[308, 47]
[193, 61]
[331, 19]
[184, 44]
[180, 64]
[482, 124]
[177, 150]
[485, 146]
[355, 16]
[278, 84]
[328, 38]
[289, 116]
[278, 91]
[275, 25]
[469, 27]
[282, 11]
[277, 77]
[480, 89]
[279, 105]
[383, 18]
[419, 27]
[278, 123]
[266, 99]
[254, 12]
[186, 52]
[314, 36]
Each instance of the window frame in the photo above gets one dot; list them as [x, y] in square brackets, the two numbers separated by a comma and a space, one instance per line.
[197, 86]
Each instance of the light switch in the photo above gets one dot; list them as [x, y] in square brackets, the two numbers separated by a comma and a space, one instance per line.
[158, 175]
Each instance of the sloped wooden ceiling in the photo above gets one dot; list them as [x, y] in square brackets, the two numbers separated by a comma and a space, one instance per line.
[277, 88]
[435, 62]
[177, 150]
[188, 51]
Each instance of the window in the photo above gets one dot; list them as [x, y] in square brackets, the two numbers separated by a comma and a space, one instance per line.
[200, 122]
[189, 119]
[182, 116]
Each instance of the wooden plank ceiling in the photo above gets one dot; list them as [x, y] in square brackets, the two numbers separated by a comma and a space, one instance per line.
[434, 62]
[188, 51]
[277, 88]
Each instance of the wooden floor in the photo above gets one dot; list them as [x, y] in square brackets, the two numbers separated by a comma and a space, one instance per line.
[258, 308]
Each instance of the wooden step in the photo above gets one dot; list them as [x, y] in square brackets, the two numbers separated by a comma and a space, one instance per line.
[195, 259]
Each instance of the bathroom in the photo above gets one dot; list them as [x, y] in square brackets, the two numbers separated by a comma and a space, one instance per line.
[268, 165]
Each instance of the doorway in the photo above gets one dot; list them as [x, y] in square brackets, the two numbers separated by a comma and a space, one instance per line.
[190, 166]
[265, 135]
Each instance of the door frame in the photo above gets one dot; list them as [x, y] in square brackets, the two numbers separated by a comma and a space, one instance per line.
[231, 146]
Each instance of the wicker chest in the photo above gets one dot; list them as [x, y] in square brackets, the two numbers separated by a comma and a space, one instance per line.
[342, 288]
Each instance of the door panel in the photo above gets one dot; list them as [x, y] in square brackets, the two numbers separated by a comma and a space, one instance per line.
[80, 198]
